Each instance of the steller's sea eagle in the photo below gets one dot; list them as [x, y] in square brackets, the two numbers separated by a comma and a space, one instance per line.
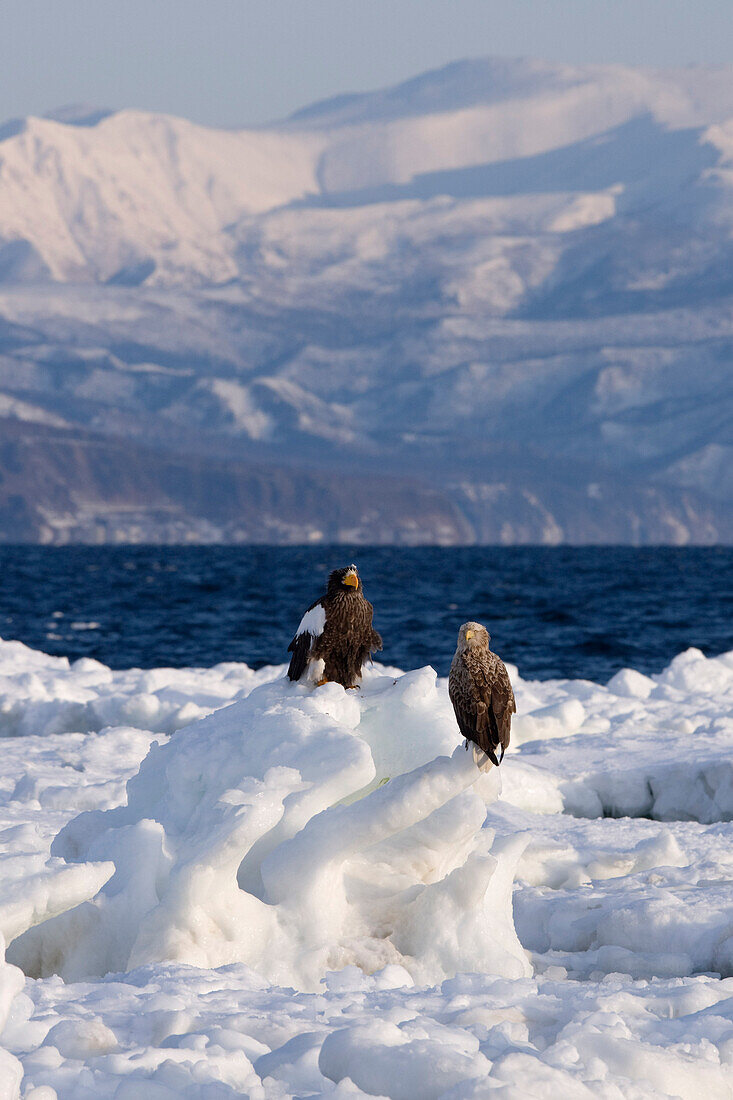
[481, 693]
[335, 636]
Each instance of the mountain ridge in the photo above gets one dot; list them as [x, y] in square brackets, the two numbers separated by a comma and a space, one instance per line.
[412, 282]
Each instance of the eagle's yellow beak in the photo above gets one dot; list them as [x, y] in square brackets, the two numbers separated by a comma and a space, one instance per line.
[352, 579]
[469, 635]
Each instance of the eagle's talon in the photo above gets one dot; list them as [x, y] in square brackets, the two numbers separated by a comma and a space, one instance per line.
[322, 681]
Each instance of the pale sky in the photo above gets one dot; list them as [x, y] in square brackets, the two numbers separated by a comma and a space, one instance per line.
[242, 62]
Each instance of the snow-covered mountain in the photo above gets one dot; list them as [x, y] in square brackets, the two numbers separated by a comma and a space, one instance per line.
[494, 302]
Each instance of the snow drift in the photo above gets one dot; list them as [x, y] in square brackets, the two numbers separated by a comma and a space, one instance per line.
[286, 832]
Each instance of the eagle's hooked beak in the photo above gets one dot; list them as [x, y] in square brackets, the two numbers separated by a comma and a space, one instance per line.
[351, 579]
[469, 635]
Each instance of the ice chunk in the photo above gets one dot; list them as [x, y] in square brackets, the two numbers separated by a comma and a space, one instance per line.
[557, 720]
[402, 1061]
[629, 682]
[248, 837]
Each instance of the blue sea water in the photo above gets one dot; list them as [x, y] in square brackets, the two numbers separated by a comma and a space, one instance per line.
[555, 612]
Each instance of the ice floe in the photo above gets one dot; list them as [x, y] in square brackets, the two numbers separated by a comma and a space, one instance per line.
[221, 884]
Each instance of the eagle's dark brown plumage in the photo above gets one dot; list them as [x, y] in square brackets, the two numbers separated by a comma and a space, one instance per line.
[335, 636]
[481, 692]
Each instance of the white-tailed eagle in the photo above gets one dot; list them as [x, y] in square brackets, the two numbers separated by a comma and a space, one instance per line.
[481, 693]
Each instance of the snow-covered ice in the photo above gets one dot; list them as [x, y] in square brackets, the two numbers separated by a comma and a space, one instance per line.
[220, 884]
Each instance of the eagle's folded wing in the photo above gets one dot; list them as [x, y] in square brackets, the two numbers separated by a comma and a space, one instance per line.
[472, 713]
[309, 631]
[503, 705]
[489, 694]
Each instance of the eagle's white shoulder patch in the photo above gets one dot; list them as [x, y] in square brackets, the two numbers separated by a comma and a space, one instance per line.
[313, 621]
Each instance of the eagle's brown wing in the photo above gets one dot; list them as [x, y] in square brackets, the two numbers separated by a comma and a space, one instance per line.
[375, 638]
[471, 710]
[503, 705]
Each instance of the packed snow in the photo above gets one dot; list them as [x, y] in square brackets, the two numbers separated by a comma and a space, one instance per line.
[216, 883]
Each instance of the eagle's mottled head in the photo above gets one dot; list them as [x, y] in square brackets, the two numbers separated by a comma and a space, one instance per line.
[473, 636]
[344, 579]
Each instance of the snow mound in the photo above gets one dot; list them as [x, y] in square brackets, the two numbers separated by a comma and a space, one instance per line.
[656, 747]
[40, 694]
[299, 832]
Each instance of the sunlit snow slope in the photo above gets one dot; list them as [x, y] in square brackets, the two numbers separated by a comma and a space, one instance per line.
[500, 292]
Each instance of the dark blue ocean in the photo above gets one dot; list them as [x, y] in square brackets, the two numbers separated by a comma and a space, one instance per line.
[555, 612]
